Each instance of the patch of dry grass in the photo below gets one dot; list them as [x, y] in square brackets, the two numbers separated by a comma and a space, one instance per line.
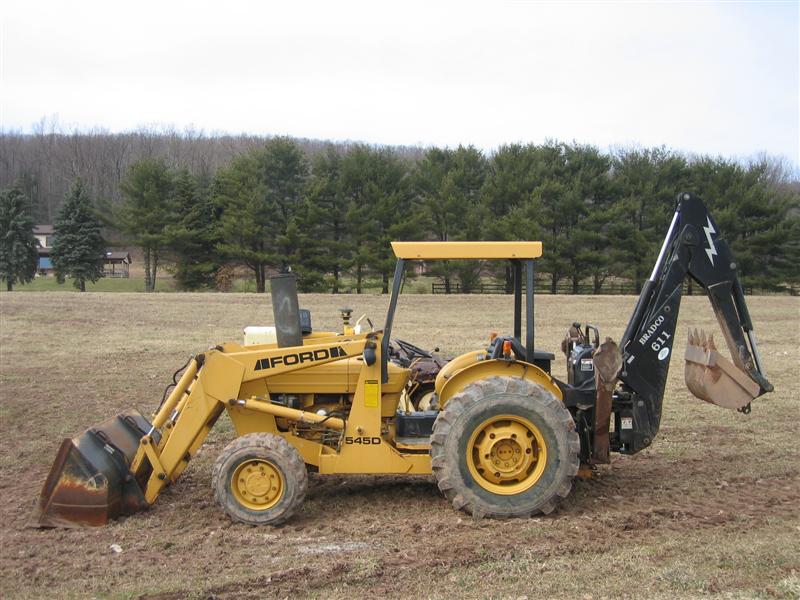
[709, 510]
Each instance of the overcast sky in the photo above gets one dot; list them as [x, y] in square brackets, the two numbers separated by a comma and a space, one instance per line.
[719, 78]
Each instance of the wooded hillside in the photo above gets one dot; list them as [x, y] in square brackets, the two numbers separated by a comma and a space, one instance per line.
[203, 204]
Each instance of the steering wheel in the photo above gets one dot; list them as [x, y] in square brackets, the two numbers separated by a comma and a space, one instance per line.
[412, 351]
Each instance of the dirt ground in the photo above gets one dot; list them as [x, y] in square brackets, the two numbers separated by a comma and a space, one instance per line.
[712, 509]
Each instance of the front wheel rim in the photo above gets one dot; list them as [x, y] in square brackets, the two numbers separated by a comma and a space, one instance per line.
[506, 454]
[257, 484]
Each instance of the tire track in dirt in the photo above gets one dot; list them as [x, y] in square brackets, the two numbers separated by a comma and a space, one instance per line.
[571, 532]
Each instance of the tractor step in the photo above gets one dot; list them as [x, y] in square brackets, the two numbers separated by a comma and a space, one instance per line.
[417, 424]
[413, 443]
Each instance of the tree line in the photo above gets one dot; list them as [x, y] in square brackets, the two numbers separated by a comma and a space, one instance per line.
[45, 163]
[329, 211]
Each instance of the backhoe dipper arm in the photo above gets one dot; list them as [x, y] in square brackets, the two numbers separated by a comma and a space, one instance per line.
[692, 248]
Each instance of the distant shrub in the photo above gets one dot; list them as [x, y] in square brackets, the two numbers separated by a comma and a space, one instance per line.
[223, 278]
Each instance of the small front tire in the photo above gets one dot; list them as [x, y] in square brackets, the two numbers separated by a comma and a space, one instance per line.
[259, 479]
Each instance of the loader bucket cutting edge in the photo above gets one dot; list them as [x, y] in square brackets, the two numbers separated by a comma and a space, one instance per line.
[713, 378]
[90, 482]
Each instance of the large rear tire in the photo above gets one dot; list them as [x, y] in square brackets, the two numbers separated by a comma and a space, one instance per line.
[259, 479]
[504, 447]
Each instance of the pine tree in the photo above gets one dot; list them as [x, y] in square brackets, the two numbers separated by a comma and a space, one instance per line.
[259, 196]
[584, 241]
[516, 172]
[18, 254]
[448, 184]
[647, 182]
[194, 235]
[146, 212]
[381, 209]
[78, 250]
[307, 254]
[361, 226]
[326, 217]
[553, 204]
[285, 173]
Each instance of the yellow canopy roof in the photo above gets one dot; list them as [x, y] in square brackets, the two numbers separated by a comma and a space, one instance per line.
[466, 250]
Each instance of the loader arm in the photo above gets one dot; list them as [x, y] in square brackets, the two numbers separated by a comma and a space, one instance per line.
[122, 465]
[691, 247]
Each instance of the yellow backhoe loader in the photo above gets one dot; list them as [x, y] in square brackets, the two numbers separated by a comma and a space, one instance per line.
[500, 434]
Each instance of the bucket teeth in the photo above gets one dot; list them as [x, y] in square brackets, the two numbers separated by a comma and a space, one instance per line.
[711, 345]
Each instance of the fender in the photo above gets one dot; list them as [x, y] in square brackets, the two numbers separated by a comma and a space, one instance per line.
[455, 365]
[495, 368]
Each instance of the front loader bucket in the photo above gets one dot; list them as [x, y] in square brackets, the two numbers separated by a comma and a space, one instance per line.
[713, 378]
[90, 481]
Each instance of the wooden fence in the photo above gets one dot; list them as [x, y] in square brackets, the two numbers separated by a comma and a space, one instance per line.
[607, 289]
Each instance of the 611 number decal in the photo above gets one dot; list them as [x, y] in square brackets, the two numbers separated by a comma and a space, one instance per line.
[367, 441]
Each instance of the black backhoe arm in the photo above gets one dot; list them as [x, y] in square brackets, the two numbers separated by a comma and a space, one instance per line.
[692, 248]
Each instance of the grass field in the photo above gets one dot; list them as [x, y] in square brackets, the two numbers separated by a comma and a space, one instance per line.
[712, 509]
[419, 285]
[106, 284]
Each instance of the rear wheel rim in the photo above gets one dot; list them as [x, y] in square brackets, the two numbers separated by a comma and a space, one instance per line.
[506, 454]
[257, 484]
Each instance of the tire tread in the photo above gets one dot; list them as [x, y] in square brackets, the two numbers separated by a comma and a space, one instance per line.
[291, 463]
[445, 464]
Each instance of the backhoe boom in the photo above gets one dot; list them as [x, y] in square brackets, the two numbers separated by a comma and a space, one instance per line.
[691, 247]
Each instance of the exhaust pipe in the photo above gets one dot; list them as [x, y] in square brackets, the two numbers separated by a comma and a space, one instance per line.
[286, 310]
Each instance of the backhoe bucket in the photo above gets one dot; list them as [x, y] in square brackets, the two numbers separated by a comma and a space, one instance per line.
[90, 481]
[713, 378]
